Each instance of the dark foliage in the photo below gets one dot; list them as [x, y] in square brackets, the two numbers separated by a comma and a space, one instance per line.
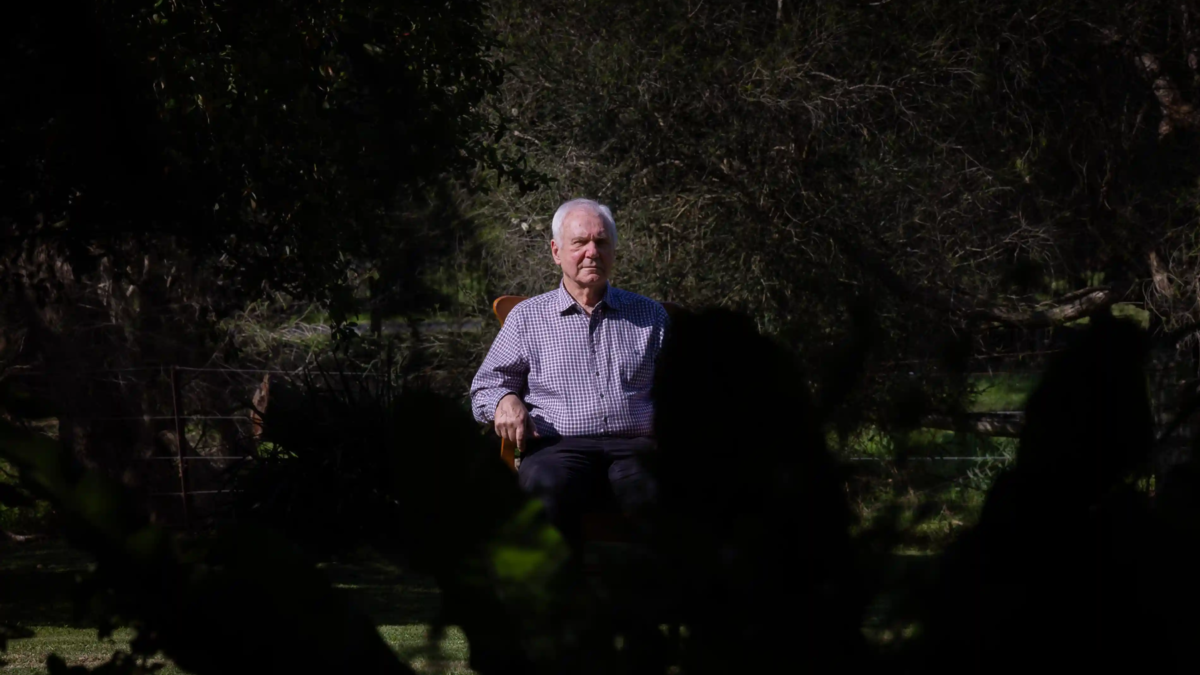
[753, 528]
[1058, 569]
[180, 596]
[280, 140]
[748, 548]
[170, 163]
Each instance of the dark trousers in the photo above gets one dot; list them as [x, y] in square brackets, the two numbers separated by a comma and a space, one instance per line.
[572, 475]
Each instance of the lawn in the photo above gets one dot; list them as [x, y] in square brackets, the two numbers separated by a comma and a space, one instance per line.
[954, 488]
[35, 578]
[80, 647]
[35, 581]
[1003, 391]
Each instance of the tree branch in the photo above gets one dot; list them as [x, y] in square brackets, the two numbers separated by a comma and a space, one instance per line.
[21, 538]
[1068, 308]
[1177, 113]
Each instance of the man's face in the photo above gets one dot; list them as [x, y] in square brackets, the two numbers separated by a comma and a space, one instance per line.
[586, 253]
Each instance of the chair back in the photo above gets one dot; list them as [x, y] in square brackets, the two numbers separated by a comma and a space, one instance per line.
[504, 304]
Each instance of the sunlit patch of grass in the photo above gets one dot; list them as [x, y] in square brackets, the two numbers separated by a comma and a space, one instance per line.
[935, 495]
[76, 646]
[35, 587]
[952, 510]
[1004, 391]
[81, 647]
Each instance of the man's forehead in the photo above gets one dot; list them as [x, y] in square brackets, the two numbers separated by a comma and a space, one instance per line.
[583, 221]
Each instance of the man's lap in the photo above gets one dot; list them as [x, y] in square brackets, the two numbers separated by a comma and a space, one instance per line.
[567, 468]
[582, 453]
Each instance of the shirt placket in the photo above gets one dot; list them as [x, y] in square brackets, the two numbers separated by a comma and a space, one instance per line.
[595, 340]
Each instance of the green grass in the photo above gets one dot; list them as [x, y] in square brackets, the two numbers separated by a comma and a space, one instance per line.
[36, 578]
[951, 491]
[954, 504]
[81, 647]
[76, 646]
[1005, 391]
[35, 581]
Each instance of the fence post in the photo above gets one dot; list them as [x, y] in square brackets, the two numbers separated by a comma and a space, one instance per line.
[180, 440]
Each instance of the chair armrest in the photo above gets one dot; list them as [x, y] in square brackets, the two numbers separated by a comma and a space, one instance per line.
[508, 449]
[508, 453]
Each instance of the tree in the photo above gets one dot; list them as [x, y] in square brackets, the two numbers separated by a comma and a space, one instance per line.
[277, 143]
[975, 169]
[169, 162]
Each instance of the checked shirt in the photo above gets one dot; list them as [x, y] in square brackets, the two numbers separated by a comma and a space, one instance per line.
[579, 375]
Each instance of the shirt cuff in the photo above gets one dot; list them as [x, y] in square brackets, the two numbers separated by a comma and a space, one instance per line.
[487, 404]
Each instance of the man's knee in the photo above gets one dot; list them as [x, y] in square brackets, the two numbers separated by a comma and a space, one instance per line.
[538, 477]
[633, 485]
[634, 490]
[551, 479]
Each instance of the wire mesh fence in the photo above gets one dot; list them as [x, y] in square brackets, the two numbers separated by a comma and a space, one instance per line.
[198, 425]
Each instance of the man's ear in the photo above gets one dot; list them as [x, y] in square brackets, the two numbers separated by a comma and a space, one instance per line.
[554, 252]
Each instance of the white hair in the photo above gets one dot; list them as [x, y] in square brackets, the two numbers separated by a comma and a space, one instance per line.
[595, 207]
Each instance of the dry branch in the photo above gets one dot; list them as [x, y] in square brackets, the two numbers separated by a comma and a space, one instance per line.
[1070, 307]
[1066, 309]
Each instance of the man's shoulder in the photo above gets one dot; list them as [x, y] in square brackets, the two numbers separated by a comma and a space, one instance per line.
[640, 303]
[533, 304]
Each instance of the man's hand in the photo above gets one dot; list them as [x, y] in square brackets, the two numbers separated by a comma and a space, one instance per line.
[513, 422]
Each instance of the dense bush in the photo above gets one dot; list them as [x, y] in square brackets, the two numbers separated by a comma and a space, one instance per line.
[174, 162]
[988, 171]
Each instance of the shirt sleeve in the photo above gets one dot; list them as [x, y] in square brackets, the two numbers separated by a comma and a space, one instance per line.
[663, 326]
[505, 370]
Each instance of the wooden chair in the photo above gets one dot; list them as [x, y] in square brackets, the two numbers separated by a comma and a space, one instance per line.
[501, 307]
[597, 526]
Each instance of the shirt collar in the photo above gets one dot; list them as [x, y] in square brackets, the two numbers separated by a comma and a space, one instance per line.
[564, 301]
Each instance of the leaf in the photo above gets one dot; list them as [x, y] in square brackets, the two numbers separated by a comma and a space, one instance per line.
[14, 498]
[515, 564]
[527, 548]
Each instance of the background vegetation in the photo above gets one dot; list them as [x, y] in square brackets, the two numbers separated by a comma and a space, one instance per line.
[922, 203]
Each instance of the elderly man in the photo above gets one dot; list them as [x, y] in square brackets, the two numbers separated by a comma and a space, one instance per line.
[568, 377]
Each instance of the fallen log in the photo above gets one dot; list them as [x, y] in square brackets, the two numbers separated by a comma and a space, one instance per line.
[21, 538]
[1005, 424]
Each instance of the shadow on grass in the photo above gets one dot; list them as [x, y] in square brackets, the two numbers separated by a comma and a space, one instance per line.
[37, 579]
[388, 594]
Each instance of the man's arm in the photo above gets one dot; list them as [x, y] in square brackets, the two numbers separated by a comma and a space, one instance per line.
[505, 371]
[662, 326]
